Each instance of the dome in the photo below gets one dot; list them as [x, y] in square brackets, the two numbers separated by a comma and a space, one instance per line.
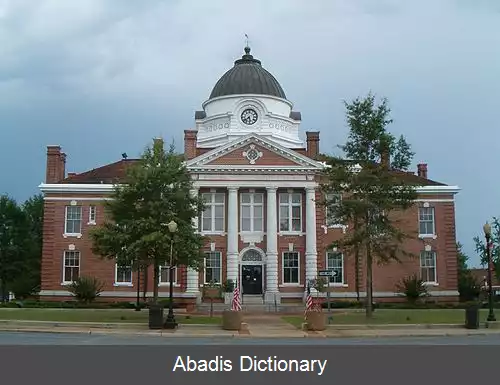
[247, 77]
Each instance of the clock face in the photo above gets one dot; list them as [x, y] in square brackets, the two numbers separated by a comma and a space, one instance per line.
[249, 116]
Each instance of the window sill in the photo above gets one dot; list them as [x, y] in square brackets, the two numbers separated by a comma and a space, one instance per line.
[221, 233]
[427, 236]
[290, 285]
[91, 224]
[72, 235]
[123, 284]
[433, 284]
[66, 283]
[337, 285]
[291, 233]
[168, 285]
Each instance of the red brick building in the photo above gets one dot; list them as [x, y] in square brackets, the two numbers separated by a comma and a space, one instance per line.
[265, 226]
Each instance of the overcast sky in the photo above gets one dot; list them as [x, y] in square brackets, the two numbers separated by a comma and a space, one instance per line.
[102, 77]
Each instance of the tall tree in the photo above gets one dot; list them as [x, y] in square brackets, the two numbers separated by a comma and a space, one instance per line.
[369, 178]
[155, 192]
[480, 243]
[468, 286]
[14, 241]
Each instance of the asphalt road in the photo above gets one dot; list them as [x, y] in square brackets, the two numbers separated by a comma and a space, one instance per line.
[18, 338]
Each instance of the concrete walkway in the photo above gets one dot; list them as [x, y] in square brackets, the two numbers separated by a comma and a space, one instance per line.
[255, 327]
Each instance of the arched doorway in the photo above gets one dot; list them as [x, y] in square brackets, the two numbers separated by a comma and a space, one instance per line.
[252, 271]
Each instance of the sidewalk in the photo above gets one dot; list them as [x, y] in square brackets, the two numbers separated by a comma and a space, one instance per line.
[251, 330]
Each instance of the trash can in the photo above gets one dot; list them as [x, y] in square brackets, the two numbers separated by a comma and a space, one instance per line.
[155, 316]
[472, 317]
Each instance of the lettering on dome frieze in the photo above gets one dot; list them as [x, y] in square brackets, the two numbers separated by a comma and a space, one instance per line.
[280, 126]
[217, 125]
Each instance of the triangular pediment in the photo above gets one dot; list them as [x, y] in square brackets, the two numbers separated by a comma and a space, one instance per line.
[253, 152]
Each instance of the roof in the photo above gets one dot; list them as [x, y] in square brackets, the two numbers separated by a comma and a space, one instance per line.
[247, 77]
[481, 276]
[114, 172]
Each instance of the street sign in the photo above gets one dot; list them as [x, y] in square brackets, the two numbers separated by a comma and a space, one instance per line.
[327, 273]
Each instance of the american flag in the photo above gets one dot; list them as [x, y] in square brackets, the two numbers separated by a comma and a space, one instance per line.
[309, 302]
[236, 305]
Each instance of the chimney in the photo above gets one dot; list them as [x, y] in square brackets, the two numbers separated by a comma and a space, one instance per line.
[158, 143]
[56, 165]
[312, 141]
[190, 138]
[385, 159]
[422, 170]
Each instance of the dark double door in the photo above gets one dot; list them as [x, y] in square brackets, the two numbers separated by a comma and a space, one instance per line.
[251, 279]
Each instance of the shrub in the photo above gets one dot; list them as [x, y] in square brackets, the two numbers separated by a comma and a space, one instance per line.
[86, 289]
[228, 286]
[413, 288]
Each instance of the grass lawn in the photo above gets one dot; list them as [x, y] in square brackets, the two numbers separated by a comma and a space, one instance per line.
[385, 316]
[95, 315]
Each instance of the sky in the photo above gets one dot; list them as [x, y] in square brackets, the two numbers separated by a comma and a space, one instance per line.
[103, 77]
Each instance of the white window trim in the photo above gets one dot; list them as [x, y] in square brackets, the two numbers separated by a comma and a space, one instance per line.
[252, 204]
[126, 284]
[291, 284]
[429, 283]
[64, 281]
[337, 284]
[332, 225]
[66, 234]
[205, 266]
[92, 221]
[212, 206]
[290, 220]
[433, 235]
[167, 284]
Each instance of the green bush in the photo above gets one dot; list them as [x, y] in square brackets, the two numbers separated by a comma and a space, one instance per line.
[86, 289]
[413, 288]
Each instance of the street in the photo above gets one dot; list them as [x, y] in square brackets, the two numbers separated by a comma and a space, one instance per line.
[19, 338]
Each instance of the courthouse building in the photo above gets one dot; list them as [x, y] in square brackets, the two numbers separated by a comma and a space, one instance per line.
[265, 226]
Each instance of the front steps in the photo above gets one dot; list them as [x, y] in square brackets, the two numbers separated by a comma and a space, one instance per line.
[254, 304]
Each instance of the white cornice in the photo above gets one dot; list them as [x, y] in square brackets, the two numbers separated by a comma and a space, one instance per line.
[246, 96]
[109, 188]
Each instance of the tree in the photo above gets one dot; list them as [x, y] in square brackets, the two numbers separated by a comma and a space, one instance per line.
[480, 243]
[155, 191]
[369, 179]
[14, 239]
[468, 286]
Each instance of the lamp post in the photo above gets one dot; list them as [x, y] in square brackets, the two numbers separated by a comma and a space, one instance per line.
[170, 322]
[487, 235]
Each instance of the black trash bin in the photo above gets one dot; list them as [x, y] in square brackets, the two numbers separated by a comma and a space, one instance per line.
[155, 316]
[472, 317]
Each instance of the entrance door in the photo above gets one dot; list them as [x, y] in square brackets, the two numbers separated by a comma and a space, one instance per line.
[251, 279]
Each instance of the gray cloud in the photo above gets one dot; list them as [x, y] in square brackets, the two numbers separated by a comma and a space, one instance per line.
[101, 77]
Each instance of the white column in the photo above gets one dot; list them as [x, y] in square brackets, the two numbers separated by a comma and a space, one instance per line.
[311, 251]
[272, 291]
[232, 234]
[192, 281]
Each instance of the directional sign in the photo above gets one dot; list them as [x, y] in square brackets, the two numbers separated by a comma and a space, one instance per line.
[327, 273]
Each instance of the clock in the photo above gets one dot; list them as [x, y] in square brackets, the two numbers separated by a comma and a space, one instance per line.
[249, 116]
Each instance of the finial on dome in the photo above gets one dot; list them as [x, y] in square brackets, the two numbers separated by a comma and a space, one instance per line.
[247, 46]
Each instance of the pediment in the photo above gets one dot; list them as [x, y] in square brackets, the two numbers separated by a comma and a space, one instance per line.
[253, 152]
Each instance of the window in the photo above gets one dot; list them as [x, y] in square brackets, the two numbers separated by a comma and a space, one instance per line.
[92, 214]
[426, 221]
[291, 267]
[252, 212]
[165, 275]
[428, 266]
[335, 262]
[71, 270]
[123, 275]
[73, 220]
[333, 201]
[213, 267]
[290, 212]
[212, 219]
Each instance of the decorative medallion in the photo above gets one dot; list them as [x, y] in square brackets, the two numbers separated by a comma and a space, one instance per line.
[252, 154]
